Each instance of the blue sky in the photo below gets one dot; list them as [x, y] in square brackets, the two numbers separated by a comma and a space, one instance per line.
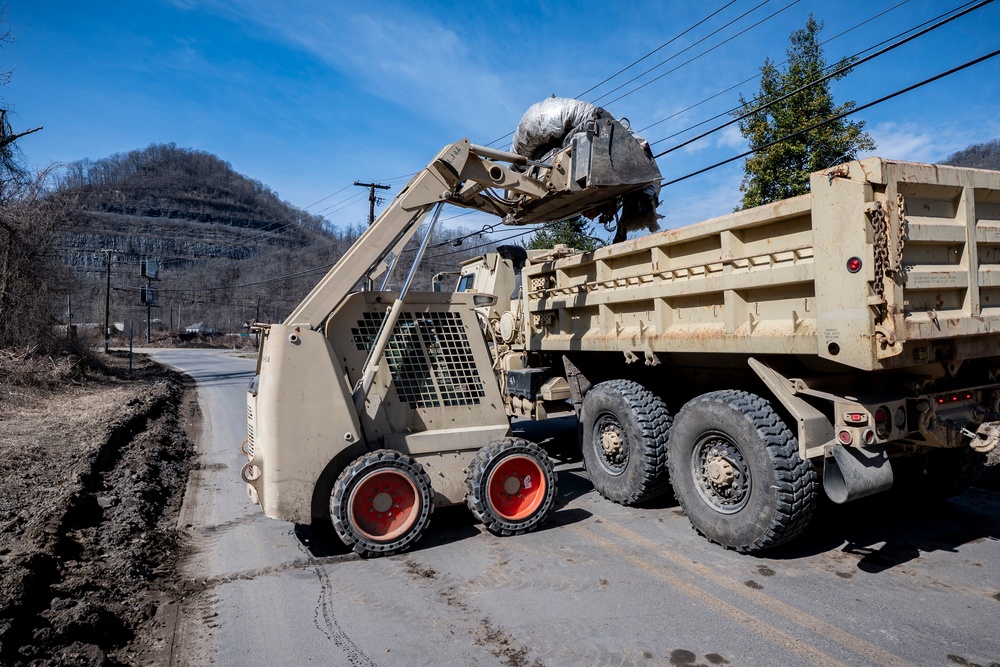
[308, 97]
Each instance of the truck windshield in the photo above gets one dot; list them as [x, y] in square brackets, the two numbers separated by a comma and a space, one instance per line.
[466, 282]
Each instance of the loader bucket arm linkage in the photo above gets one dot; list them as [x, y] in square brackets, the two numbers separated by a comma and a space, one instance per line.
[608, 163]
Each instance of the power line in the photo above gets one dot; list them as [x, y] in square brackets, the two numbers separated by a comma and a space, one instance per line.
[647, 55]
[757, 76]
[834, 73]
[661, 46]
[690, 60]
[837, 117]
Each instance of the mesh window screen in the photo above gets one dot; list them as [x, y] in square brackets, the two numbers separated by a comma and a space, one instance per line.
[429, 358]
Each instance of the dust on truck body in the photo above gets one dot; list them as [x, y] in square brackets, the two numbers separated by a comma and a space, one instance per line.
[844, 339]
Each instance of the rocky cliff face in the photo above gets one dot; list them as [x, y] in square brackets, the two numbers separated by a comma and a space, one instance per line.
[195, 215]
[171, 203]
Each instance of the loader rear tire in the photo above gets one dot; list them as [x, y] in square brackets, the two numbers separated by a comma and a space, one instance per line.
[736, 471]
[625, 428]
[381, 503]
[512, 486]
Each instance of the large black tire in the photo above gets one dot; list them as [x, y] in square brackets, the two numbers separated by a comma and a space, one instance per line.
[381, 503]
[736, 471]
[937, 475]
[625, 428]
[512, 486]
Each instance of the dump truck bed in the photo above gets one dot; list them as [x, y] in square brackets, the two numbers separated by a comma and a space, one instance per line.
[882, 265]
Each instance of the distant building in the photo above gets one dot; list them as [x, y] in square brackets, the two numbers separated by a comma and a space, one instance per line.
[200, 328]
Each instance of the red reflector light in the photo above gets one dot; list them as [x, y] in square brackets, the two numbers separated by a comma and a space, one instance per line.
[967, 396]
[868, 436]
[854, 264]
[953, 398]
[845, 437]
[882, 425]
[940, 400]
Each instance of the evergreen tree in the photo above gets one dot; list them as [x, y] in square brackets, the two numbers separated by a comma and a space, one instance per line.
[782, 170]
[575, 233]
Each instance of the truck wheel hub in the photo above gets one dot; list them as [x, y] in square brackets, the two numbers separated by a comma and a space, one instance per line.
[720, 471]
[612, 443]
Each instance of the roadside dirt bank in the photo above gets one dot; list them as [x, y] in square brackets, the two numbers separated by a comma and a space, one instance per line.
[94, 469]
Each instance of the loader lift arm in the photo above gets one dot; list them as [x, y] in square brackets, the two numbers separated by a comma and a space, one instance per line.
[458, 175]
[595, 169]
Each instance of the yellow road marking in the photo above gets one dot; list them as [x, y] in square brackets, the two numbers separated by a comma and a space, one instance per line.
[811, 655]
[851, 642]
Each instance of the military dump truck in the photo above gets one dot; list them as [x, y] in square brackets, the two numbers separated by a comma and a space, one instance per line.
[845, 339]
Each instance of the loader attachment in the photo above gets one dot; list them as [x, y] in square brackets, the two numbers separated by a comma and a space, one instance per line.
[600, 165]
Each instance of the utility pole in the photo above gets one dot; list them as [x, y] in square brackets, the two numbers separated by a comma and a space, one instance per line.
[372, 198]
[369, 283]
[107, 307]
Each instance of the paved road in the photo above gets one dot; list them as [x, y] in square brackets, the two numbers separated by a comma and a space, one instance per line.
[870, 583]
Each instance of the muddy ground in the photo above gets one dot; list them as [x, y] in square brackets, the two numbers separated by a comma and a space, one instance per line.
[94, 463]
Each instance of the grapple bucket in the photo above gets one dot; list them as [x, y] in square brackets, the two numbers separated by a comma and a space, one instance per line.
[599, 166]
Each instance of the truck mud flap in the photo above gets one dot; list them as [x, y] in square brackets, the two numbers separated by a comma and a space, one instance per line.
[853, 473]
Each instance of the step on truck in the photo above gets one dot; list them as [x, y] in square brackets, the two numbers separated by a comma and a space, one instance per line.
[846, 339]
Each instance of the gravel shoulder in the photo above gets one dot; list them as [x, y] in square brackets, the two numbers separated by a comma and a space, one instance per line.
[94, 471]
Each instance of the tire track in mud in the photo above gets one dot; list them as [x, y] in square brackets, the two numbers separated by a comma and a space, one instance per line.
[324, 618]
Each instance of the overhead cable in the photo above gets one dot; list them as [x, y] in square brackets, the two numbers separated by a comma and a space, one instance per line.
[661, 46]
[757, 76]
[837, 117]
[826, 77]
[690, 60]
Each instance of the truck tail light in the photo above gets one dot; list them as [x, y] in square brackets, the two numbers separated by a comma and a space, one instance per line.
[868, 437]
[882, 424]
[845, 437]
[854, 264]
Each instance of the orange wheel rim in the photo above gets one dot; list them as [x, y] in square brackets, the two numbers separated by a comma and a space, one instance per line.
[384, 505]
[516, 488]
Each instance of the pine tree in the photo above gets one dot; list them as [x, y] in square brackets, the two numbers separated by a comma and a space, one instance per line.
[575, 233]
[782, 170]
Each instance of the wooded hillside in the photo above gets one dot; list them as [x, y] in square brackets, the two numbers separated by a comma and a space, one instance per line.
[224, 242]
[978, 156]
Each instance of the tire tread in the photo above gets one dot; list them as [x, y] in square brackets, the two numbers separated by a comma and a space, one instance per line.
[797, 483]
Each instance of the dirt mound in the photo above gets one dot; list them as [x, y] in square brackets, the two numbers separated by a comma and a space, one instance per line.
[93, 473]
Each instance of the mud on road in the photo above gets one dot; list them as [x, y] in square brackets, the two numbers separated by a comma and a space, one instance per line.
[93, 470]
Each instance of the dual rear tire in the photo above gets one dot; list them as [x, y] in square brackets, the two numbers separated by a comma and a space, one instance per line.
[732, 462]
[736, 471]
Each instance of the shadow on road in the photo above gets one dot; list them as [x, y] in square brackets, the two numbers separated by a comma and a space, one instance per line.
[886, 531]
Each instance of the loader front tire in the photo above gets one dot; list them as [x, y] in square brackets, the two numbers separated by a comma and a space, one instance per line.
[736, 471]
[381, 503]
[512, 486]
[625, 428]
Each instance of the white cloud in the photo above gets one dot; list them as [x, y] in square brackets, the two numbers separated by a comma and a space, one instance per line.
[402, 56]
[731, 137]
[917, 143]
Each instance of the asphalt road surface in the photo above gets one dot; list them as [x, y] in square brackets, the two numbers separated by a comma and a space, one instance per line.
[871, 583]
